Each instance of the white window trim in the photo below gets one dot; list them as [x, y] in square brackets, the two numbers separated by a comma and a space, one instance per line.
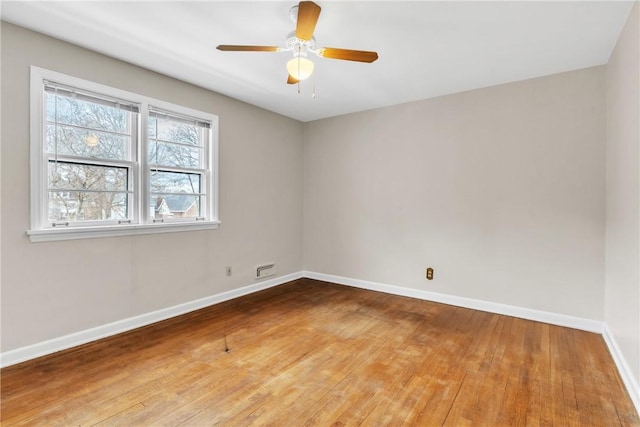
[41, 231]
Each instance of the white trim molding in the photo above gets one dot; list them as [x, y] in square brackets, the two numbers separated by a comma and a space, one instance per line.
[632, 385]
[491, 307]
[54, 345]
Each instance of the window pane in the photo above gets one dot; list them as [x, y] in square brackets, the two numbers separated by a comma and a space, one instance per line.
[173, 131]
[172, 206]
[87, 143]
[86, 114]
[168, 154]
[174, 182]
[74, 176]
[86, 206]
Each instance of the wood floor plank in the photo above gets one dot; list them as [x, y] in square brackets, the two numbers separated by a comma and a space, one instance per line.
[315, 353]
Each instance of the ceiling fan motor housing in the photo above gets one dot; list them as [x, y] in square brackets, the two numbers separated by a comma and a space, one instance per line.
[298, 46]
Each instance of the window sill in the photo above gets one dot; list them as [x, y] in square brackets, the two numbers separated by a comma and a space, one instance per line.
[51, 235]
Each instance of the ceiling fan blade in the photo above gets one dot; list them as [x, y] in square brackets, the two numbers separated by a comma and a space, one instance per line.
[308, 13]
[243, 48]
[348, 54]
[291, 80]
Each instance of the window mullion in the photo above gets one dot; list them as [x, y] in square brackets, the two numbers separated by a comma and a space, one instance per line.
[142, 174]
[133, 178]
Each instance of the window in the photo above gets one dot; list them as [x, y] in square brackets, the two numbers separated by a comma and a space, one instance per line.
[88, 143]
[107, 162]
[177, 153]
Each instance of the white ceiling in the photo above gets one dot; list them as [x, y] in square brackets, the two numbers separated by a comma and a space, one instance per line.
[426, 48]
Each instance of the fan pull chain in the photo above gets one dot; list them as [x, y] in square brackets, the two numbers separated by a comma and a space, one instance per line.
[313, 95]
[299, 50]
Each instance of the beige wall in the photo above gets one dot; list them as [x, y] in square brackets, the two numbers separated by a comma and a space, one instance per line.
[622, 297]
[53, 289]
[501, 190]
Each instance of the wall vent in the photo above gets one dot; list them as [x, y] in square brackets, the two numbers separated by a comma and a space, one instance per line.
[266, 270]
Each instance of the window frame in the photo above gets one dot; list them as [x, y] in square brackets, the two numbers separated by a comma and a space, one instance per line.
[139, 220]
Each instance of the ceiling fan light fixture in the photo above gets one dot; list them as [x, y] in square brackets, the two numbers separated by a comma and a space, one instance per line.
[300, 68]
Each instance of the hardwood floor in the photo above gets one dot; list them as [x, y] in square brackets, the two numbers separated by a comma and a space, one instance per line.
[314, 353]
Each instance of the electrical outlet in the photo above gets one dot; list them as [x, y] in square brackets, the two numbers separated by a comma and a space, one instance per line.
[429, 273]
[228, 270]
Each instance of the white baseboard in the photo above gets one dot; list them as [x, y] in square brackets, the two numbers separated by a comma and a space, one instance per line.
[632, 385]
[29, 352]
[491, 307]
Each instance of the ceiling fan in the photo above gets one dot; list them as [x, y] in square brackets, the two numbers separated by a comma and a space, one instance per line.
[301, 42]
